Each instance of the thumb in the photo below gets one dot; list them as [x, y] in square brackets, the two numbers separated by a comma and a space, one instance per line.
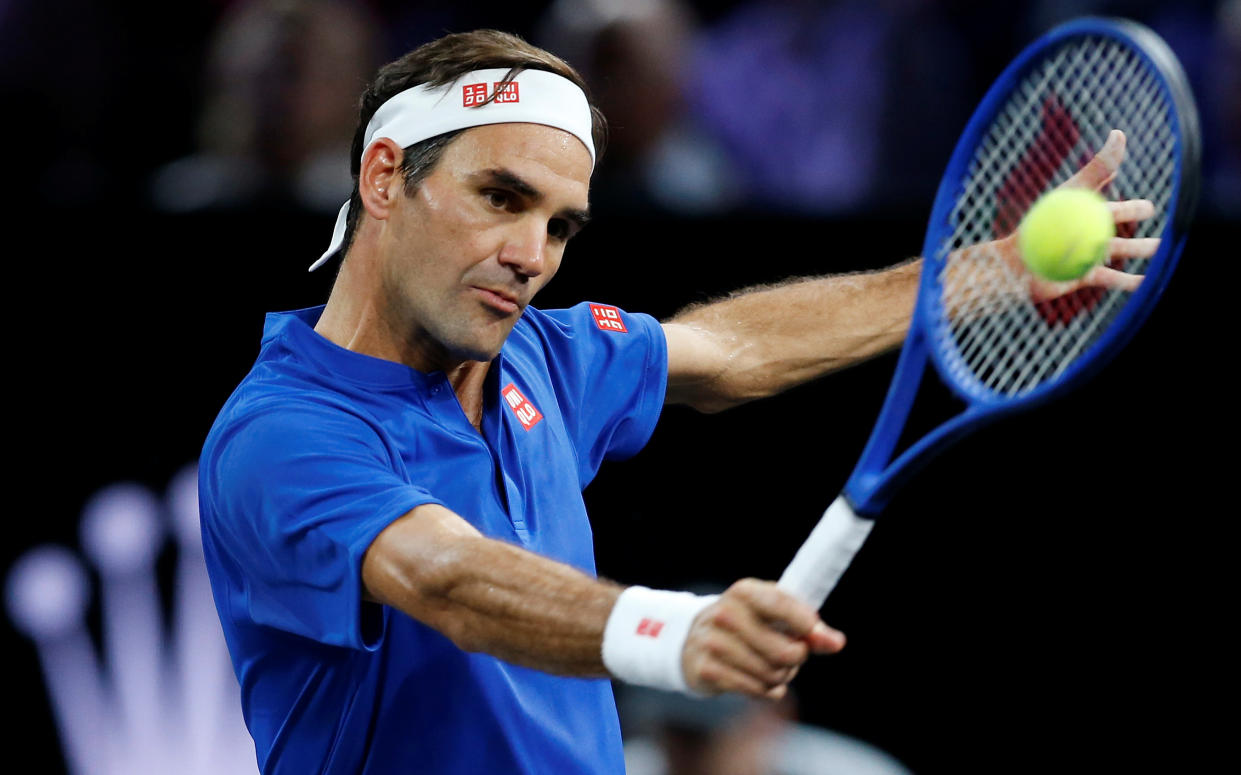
[825, 640]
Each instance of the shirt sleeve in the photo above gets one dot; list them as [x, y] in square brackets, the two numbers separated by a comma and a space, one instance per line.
[611, 370]
[293, 494]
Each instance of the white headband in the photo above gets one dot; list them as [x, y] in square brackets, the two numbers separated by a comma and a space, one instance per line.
[420, 113]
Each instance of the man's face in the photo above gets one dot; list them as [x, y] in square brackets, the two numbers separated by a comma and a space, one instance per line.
[484, 232]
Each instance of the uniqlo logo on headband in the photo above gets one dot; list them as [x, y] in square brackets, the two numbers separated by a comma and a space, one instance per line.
[507, 92]
[608, 318]
[525, 411]
[473, 94]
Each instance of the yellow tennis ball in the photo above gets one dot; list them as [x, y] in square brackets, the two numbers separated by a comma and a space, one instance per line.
[1066, 234]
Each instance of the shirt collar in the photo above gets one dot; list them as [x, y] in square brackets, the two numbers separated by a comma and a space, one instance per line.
[298, 327]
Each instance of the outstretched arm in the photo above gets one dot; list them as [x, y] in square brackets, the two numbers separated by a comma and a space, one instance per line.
[493, 597]
[763, 340]
[488, 595]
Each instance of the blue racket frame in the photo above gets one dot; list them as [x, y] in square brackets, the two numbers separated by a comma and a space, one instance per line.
[874, 480]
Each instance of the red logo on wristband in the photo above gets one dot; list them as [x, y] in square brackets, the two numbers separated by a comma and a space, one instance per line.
[650, 628]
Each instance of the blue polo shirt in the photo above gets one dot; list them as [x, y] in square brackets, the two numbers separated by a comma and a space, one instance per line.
[320, 448]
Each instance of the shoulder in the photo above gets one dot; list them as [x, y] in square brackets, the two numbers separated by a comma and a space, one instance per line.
[279, 414]
[294, 382]
[589, 325]
[276, 394]
[587, 316]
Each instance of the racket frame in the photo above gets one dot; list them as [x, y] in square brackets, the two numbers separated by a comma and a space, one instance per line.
[874, 480]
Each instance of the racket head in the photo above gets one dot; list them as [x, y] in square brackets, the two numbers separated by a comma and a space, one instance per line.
[1072, 85]
[1044, 118]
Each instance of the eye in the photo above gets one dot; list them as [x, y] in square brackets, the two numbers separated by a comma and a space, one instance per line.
[497, 198]
[559, 229]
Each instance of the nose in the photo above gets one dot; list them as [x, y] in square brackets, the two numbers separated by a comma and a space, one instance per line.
[525, 248]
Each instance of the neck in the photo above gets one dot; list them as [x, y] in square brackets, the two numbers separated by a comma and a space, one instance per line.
[356, 318]
[467, 382]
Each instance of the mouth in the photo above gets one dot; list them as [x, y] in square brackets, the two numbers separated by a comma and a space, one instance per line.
[498, 299]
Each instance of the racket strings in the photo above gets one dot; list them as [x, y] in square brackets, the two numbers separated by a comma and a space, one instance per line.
[995, 335]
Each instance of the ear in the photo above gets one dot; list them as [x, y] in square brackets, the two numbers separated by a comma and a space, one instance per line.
[379, 179]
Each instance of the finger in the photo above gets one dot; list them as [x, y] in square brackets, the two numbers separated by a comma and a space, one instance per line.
[1133, 247]
[825, 640]
[732, 650]
[777, 607]
[773, 646]
[1099, 277]
[1106, 277]
[714, 677]
[1131, 210]
[1102, 168]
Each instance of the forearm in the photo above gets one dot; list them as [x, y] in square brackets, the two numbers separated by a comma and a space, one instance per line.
[492, 597]
[761, 341]
[489, 596]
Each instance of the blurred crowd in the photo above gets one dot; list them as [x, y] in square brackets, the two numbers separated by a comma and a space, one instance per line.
[789, 107]
[673, 734]
[832, 108]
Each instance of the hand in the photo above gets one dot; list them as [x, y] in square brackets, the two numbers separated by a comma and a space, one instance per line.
[753, 640]
[1095, 175]
[977, 274]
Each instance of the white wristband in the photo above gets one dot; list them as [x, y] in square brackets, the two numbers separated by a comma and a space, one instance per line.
[645, 635]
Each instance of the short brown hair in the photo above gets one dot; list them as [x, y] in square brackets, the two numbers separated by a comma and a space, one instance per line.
[439, 63]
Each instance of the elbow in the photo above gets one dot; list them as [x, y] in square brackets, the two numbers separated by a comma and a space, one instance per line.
[717, 395]
[422, 581]
[713, 404]
[437, 599]
[430, 566]
[437, 574]
[444, 580]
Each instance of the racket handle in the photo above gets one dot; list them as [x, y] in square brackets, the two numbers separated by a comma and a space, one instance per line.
[826, 554]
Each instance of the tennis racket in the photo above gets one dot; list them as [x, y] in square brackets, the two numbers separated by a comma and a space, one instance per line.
[1098, 103]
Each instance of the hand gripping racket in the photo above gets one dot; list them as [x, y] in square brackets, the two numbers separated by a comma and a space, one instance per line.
[1001, 339]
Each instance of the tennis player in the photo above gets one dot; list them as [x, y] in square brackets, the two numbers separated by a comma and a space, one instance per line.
[391, 499]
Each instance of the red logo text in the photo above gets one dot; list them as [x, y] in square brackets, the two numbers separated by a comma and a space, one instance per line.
[525, 411]
[608, 318]
[507, 92]
[650, 628]
[473, 94]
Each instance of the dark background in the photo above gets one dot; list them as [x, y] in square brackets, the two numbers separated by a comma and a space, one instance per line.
[1042, 595]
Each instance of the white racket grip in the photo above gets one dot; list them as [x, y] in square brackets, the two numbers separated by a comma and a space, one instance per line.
[826, 554]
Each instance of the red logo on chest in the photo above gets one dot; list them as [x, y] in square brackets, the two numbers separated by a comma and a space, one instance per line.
[608, 318]
[525, 411]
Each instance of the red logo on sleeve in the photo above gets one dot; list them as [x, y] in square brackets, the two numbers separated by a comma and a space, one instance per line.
[608, 318]
[473, 94]
[525, 411]
[650, 628]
